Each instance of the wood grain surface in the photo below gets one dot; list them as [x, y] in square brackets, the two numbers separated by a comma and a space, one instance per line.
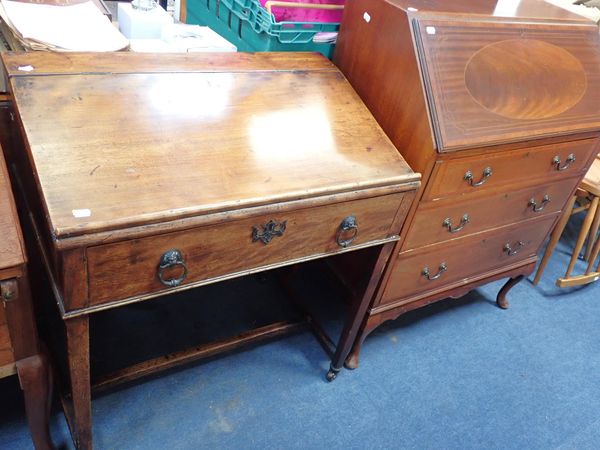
[505, 81]
[115, 151]
[44, 63]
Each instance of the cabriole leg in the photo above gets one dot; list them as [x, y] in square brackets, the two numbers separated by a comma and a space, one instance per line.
[501, 300]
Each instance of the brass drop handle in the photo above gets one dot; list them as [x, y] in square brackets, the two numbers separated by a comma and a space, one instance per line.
[537, 208]
[487, 172]
[447, 223]
[510, 251]
[347, 231]
[556, 161]
[441, 269]
[172, 258]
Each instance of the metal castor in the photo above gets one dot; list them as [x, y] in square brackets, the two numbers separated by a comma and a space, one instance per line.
[332, 374]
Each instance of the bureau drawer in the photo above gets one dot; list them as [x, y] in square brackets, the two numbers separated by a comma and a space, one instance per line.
[431, 268]
[466, 175]
[442, 220]
[131, 268]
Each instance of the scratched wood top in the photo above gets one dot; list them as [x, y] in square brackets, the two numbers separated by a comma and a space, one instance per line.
[492, 82]
[11, 248]
[124, 62]
[128, 143]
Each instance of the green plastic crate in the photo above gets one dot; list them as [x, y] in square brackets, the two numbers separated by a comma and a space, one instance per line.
[248, 26]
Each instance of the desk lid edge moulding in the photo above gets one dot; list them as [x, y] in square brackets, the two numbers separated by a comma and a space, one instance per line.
[497, 81]
[116, 150]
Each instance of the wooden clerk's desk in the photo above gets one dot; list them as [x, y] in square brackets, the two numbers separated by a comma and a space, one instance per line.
[146, 176]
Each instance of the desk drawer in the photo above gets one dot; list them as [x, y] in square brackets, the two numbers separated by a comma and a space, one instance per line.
[484, 210]
[126, 269]
[464, 258]
[451, 176]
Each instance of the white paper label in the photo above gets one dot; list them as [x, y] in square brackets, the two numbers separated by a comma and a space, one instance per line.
[430, 30]
[25, 68]
[79, 213]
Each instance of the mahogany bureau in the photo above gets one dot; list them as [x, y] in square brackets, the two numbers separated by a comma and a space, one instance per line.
[20, 350]
[149, 176]
[499, 109]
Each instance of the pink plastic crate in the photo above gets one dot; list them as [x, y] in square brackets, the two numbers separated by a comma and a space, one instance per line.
[286, 14]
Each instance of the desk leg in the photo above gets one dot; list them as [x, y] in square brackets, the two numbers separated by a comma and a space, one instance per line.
[36, 381]
[78, 345]
[357, 313]
[32, 364]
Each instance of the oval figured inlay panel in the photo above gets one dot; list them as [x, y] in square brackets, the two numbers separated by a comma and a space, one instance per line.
[525, 79]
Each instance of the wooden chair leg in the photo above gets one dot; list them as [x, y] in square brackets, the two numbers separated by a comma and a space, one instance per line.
[592, 235]
[585, 228]
[78, 345]
[554, 237]
[593, 255]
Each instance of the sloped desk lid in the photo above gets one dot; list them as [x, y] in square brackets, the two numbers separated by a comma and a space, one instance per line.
[491, 81]
[123, 139]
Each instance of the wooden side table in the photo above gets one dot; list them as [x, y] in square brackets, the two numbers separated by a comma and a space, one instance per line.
[19, 347]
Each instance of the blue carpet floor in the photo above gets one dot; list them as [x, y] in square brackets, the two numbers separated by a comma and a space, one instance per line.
[460, 374]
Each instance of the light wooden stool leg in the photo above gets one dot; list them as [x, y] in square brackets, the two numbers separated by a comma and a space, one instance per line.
[585, 228]
[593, 255]
[554, 237]
[592, 236]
